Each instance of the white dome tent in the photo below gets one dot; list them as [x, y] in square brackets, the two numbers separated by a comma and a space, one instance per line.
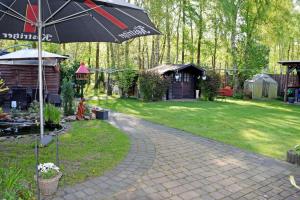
[261, 86]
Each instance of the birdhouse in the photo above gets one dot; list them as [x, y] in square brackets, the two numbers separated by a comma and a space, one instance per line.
[82, 73]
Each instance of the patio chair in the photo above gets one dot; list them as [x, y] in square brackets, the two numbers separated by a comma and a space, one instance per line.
[20, 96]
[54, 99]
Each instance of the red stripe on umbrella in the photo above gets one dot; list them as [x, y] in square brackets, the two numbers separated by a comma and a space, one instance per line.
[105, 14]
[31, 15]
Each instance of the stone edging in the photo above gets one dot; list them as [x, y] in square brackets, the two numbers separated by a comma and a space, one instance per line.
[139, 160]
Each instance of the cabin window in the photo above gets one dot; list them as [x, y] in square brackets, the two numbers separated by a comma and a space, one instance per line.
[179, 79]
[186, 77]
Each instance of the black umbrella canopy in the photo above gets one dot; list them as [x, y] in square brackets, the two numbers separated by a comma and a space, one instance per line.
[74, 21]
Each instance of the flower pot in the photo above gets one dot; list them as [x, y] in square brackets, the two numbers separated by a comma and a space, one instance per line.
[102, 114]
[292, 156]
[3, 115]
[291, 99]
[49, 186]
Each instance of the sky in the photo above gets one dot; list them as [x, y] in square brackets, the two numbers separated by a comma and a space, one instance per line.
[296, 5]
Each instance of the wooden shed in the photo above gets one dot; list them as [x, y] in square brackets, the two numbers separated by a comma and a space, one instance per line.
[292, 66]
[19, 70]
[184, 78]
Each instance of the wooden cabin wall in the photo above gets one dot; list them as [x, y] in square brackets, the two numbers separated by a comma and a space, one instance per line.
[27, 76]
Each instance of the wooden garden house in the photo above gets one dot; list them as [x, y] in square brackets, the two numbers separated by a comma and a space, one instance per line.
[184, 79]
[292, 66]
[19, 70]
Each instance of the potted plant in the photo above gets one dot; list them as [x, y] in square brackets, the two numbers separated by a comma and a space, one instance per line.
[291, 95]
[293, 155]
[49, 176]
[52, 116]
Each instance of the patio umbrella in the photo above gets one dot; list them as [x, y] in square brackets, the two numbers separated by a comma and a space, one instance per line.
[63, 21]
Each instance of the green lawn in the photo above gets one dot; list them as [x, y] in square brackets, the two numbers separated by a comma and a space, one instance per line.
[269, 128]
[89, 149]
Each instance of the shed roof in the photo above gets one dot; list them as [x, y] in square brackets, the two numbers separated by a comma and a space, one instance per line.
[30, 54]
[162, 69]
[290, 62]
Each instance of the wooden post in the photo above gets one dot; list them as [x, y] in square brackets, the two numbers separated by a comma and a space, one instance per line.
[286, 83]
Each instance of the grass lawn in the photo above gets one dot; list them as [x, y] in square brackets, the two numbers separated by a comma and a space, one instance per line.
[269, 128]
[88, 149]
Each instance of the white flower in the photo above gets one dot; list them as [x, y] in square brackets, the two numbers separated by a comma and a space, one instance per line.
[44, 168]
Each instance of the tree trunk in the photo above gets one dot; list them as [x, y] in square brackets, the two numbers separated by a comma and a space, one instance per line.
[90, 53]
[112, 55]
[143, 54]
[215, 44]
[148, 57]
[192, 43]
[200, 34]
[139, 54]
[127, 63]
[63, 46]
[76, 51]
[152, 61]
[157, 49]
[97, 81]
[161, 57]
[183, 31]
[177, 37]
[168, 35]
[234, 56]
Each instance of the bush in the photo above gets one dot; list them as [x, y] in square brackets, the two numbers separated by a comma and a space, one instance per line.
[239, 95]
[52, 114]
[152, 86]
[125, 81]
[11, 185]
[67, 93]
[210, 86]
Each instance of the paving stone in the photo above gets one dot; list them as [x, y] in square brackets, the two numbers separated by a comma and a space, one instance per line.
[189, 195]
[165, 163]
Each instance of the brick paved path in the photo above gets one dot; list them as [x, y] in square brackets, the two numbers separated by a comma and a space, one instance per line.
[166, 163]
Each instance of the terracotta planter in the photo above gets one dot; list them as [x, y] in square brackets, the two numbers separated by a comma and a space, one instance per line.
[3, 115]
[49, 186]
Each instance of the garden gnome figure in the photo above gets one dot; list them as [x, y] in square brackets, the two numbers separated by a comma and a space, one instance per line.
[80, 110]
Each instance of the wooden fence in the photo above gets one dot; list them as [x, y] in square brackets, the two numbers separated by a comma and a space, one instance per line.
[279, 78]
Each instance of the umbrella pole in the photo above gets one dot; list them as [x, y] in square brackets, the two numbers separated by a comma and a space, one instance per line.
[41, 98]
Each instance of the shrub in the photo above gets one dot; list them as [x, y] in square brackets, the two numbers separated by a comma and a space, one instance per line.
[34, 107]
[239, 95]
[210, 86]
[67, 94]
[11, 185]
[52, 114]
[68, 70]
[152, 86]
[291, 93]
[125, 81]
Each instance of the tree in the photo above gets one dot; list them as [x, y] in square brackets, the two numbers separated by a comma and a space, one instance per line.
[125, 81]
